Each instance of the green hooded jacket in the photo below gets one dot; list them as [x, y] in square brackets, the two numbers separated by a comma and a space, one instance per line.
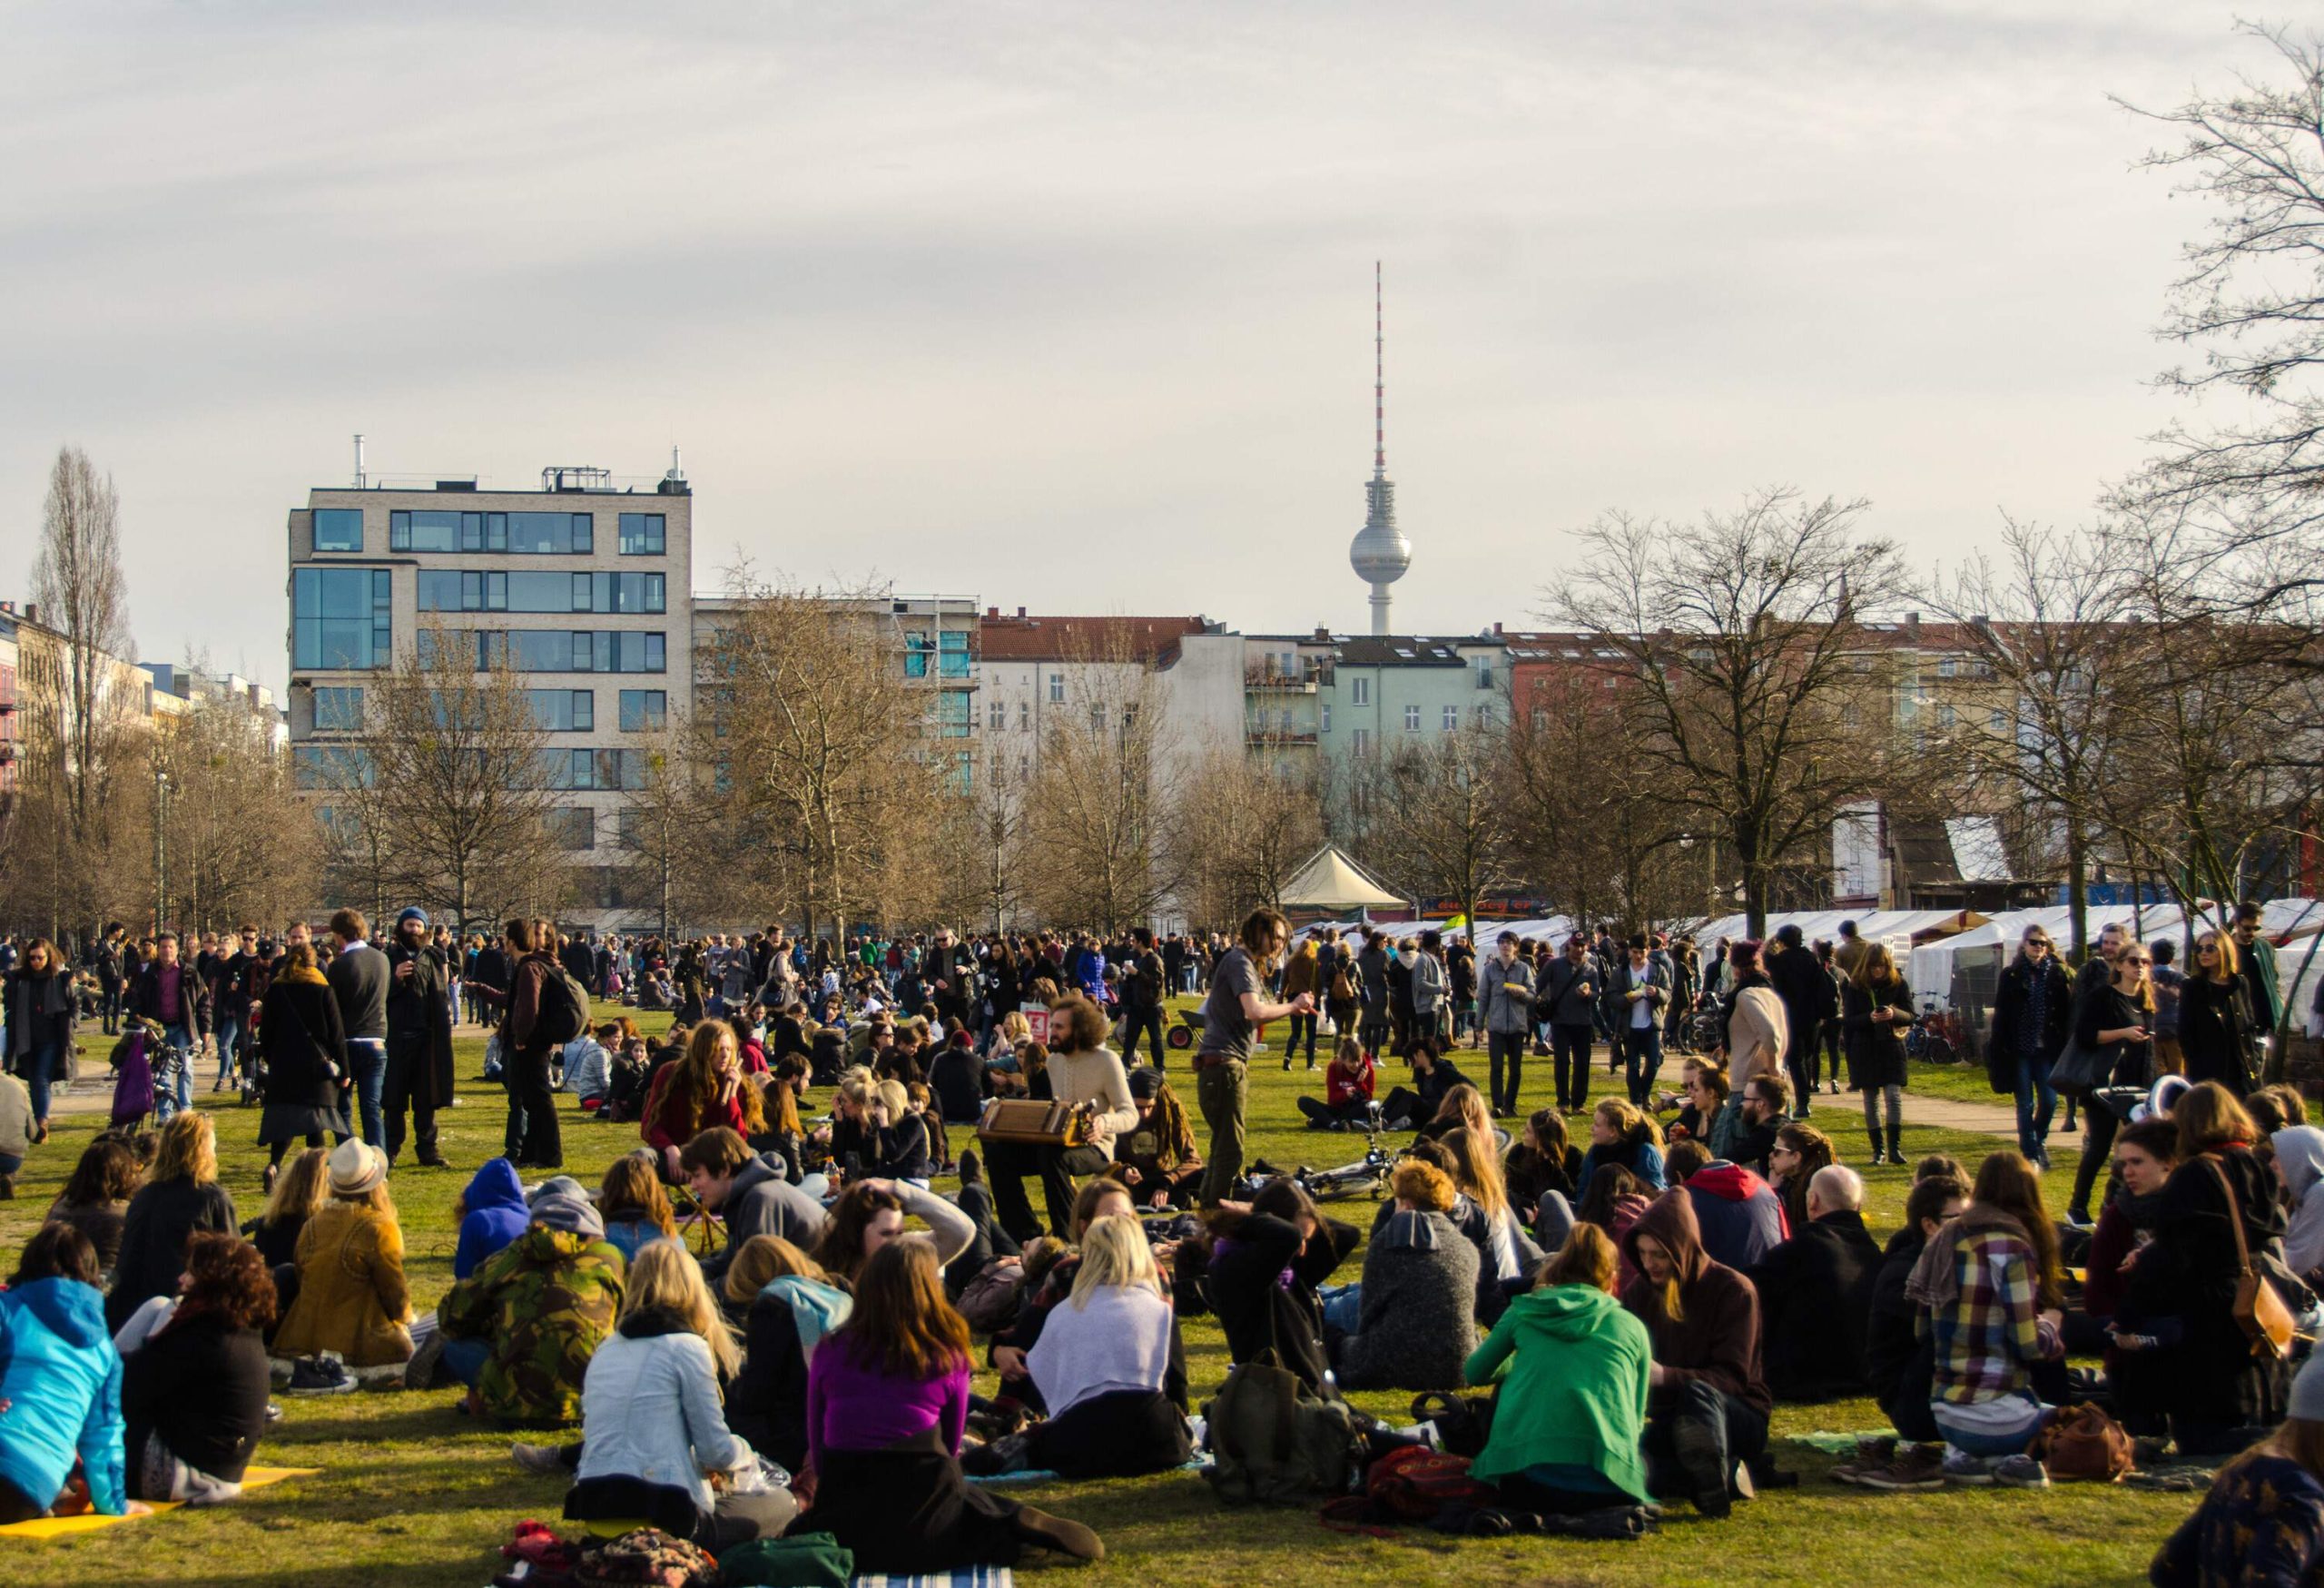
[544, 1302]
[1572, 1365]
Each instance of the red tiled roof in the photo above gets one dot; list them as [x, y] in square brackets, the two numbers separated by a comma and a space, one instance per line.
[1045, 640]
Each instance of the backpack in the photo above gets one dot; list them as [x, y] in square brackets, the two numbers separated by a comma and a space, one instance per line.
[990, 1301]
[1342, 986]
[1275, 1441]
[564, 1012]
[799, 1560]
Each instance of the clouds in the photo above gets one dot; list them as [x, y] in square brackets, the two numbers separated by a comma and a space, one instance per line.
[1068, 306]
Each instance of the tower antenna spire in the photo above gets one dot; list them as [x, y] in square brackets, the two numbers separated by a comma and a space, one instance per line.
[1379, 378]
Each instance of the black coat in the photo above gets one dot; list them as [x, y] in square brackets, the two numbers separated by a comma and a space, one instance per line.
[2189, 1272]
[419, 1010]
[1875, 1053]
[40, 1010]
[2214, 1022]
[1806, 988]
[1816, 1294]
[1256, 1310]
[301, 1034]
[202, 1385]
[162, 1216]
[767, 1406]
[2013, 1010]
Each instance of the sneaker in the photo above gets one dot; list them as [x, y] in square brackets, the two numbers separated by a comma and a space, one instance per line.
[2021, 1472]
[1739, 1483]
[2079, 1217]
[419, 1373]
[1872, 1454]
[541, 1460]
[1917, 1468]
[1967, 1470]
[320, 1375]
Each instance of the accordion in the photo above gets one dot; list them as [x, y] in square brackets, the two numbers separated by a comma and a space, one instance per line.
[1033, 1121]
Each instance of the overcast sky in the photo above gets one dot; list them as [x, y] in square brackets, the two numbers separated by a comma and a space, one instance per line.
[1070, 306]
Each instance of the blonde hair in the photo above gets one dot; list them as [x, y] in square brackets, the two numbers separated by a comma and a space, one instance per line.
[300, 1190]
[1114, 1251]
[859, 1086]
[189, 1150]
[1015, 1028]
[1478, 1160]
[665, 1274]
[896, 1099]
[755, 1263]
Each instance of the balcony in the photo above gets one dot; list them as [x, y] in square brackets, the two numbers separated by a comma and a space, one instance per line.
[1269, 738]
[1272, 676]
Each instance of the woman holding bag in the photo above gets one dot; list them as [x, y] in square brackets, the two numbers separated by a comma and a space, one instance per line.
[1874, 1000]
[2114, 1026]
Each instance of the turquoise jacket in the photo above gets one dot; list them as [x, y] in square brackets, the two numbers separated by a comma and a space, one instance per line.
[60, 1381]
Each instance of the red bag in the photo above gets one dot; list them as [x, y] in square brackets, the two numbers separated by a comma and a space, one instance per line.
[1413, 1484]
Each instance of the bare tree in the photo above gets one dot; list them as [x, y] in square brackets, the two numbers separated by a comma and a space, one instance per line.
[676, 851]
[232, 856]
[2249, 305]
[1095, 847]
[2049, 623]
[1243, 824]
[1589, 824]
[466, 780]
[1440, 824]
[807, 722]
[85, 765]
[1738, 634]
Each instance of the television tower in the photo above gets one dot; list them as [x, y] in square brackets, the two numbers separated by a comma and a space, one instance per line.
[1380, 554]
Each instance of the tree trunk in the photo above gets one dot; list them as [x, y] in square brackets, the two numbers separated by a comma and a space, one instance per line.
[2078, 890]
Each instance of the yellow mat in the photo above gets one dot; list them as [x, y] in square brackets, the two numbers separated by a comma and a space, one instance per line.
[256, 1477]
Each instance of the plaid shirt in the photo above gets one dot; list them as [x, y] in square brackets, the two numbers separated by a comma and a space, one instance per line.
[1984, 1344]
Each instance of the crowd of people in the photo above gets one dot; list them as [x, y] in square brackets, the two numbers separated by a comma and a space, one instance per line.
[761, 1321]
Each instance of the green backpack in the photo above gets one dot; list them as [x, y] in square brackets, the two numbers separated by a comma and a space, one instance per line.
[1275, 1442]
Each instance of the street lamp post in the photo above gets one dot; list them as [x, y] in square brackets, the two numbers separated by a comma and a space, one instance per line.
[160, 847]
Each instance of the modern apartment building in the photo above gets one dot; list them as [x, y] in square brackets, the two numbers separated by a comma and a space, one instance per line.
[584, 585]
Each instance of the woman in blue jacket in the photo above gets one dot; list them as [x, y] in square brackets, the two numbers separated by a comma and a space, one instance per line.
[60, 1380]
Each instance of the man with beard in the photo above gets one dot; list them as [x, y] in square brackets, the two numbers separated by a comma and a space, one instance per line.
[419, 1037]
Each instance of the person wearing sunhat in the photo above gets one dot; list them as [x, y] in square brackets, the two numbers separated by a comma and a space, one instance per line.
[353, 1299]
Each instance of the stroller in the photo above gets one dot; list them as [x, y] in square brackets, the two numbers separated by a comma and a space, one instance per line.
[147, 1066]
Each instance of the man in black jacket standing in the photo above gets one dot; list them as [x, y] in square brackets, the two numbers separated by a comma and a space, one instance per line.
[1566, 997]
[1142, 984]
[950, 973]
[358, 979]
[1808, 998]
[419, 1038]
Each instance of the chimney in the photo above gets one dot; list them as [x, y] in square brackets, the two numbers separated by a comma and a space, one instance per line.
[1496, 628]
[992, 612]
[1020, 612]
[1913, 624]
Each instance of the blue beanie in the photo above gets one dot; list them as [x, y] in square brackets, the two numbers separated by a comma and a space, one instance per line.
[412, 912]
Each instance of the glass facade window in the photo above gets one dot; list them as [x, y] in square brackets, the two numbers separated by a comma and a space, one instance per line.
[329, 766]
[563, 711]
[643, 710]
[573, 827]
[517, 534]
[642, 535]
[543, 650]
[917, 649]
[952, 654]
[339, 529]
[338, 710]
[579, 650]
[953, 714]
[342, 618]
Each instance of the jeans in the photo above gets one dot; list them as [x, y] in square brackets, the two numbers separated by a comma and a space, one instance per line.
[1057, 1167]
[229, 1036]
[1571, 1043]
[1981, 1440]
[177, 1096]
[1323, 1116]
[1509, 1046]
[39, 1069]
[1299, 1023]
[1343, 1307]
[1146, 1022]
[112, 1007]
[2036, 1101]
[9, 1164]
[1642, 1061]
[1695, 1436]
[366, 1056]
[1219, 1089]
[532, 1135]
[464, 1359]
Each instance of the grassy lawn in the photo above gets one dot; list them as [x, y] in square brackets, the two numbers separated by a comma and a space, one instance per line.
[415, 1494]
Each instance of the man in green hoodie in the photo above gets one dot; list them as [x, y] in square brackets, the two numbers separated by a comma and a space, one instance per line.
[1573, 1365]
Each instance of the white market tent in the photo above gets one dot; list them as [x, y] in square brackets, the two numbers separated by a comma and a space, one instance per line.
[1331, 881]
[1934, 963]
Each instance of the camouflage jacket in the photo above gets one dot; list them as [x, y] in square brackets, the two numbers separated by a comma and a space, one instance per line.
[544, 1302]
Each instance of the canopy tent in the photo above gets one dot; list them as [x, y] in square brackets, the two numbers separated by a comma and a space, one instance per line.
[1331, 881]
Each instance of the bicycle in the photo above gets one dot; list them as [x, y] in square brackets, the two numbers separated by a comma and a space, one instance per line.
[1926, 1039]
[1367, 1174]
